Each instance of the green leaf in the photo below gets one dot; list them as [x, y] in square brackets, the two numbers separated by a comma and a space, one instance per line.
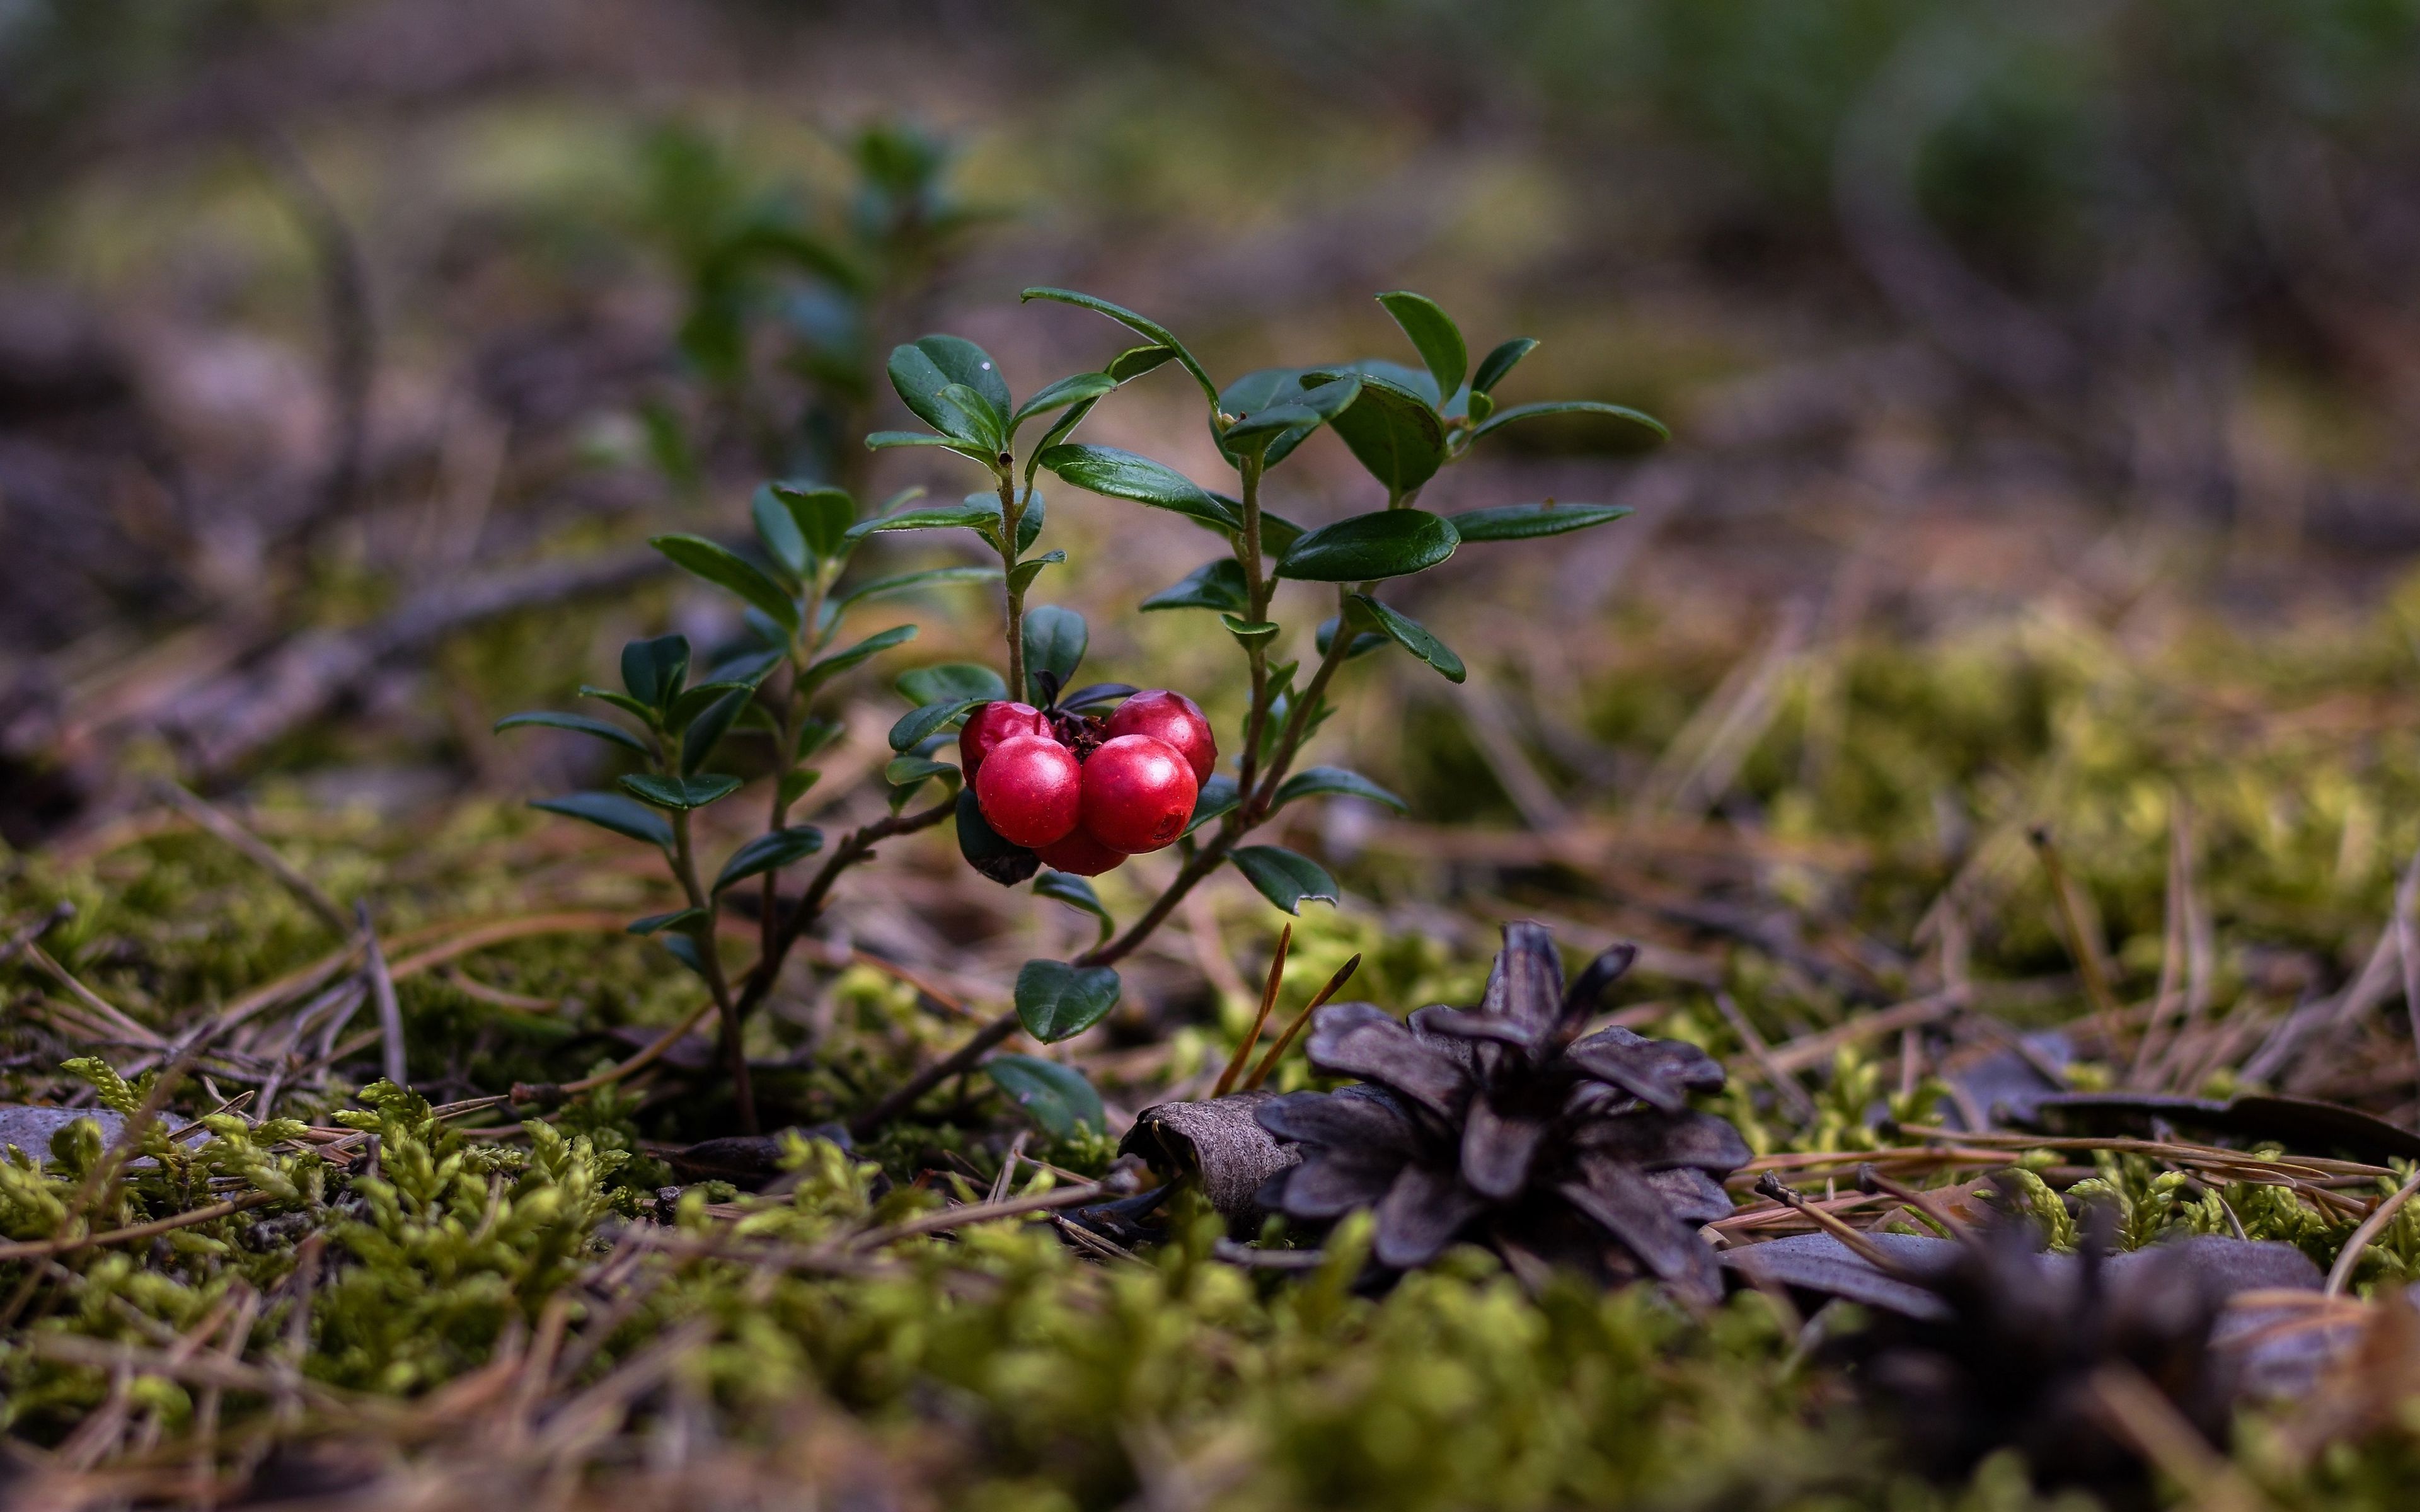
[696, 700]
[951, 680]
[1275, 431]
[684, 950]
[1497, 363]
[683, 920]
[1057, 1097]
[1415, 638]
[920, 369]
[1068, 391]
[1568, 406]
[775, 526]
[1056, 1000]
[917, 725]
[816, 731]
[681, 792]
[1217, 797]
[883, 441]
[905, 582]
[909, 770]
[1022, 577]
[610, 811]
[1217, 584]
[984, 849]
[1105, 470]
[1364, 641]
[653, 670]
[1247, 630]
[1437, 337]
[749, 668]
[1149, 330]
[727, 569]
[932, 518]
[1284, 878]
[702, 733]
[1134, 362]
[579, 722]
[1076, 894]
[977, 417]
[1522, 522]
[1055, 639]
[769, 852]
[1394, 433]
[623, 702]
[823, 516]
[1318, 779]
[1387, 542]
[794, 785]
[823, 670]
[1277, 533]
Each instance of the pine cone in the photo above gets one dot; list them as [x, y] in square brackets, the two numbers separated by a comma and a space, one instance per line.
[1500, 1124]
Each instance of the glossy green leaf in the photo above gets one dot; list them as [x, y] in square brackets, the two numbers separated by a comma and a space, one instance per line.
[823, 516]
[816, 731]
[784, 542]
[951, 680]
[1076, 894]
[579, 723]
[1217, 797]
[680, 919]
[1364, 641]
[920, 369]
[1136, 361]
[984, 848]
[917, 725]
[977, 419]
[1149, 330]
[908, 581]
[932, 518]
[1056, 1000]
[1437, 338]
[1216, 584]
[612, 811]
[1277, 533]
[749, 667]
[1247, 630]
[1055, 641]
[1496, 364]
[1415, 638]
[696, 700]
[1056, 1097]
[1022, 577]
[1522, 522]
[1393, 432]
[684, 950]
[903, 771]
[769, 852]
[1068, 391]
[653, 670]
[1105, 470]
[623, 702]
[1387, 542]
[883, 441]
[824, 668]
[681, 792]
[704, 733]
[1283, 877]
[1568, 406]
[794, 785]
[1314, 780]
[727, 569]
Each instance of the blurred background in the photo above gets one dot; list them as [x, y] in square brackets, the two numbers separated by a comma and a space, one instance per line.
[348, 349]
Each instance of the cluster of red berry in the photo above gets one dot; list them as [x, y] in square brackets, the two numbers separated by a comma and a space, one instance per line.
[1084, 792]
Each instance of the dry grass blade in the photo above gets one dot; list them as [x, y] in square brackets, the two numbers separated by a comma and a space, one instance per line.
[2340, 1273]
[2081, 943]
[1802, 1105]
[390, 1013]
[977, 1212]
[1319, 1000]
[1260, 1020]
[228, 828]
[2138, 1414]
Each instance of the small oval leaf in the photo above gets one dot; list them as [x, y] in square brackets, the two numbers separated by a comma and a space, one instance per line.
[1415, 638]
[1283, 877]
[1523, 522]
[1387, 543]
[1055, 1000]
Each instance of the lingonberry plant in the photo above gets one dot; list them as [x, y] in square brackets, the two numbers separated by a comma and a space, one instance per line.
[1051, 775]
[1052, 782]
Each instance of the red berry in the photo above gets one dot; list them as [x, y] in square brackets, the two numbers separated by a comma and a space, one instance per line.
[1172, 717]
[1082, 854]
[1138, 791]
[1030, 789]
[988, 724]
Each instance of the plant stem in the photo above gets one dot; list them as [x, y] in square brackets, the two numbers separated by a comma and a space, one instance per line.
[735, 1053]
[1011, 517]
[959, 1061]
[1256, 590]
[858, 846]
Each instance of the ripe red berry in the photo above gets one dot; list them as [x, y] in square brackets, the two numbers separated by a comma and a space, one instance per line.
[1079, 853]
[1137, 794]
[1172, 717]
[1030, 789]
[988, 724]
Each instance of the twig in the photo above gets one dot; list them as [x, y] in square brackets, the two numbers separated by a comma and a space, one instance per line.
[38, 1248]
[227, 828]
[136, 1033]
[1770, 1185]
[1812, 1050]
[2086, 949]
[1268, 1001]
[2340, 1273]
[977, 1212]
[390, 1013]
[1784, 1085]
